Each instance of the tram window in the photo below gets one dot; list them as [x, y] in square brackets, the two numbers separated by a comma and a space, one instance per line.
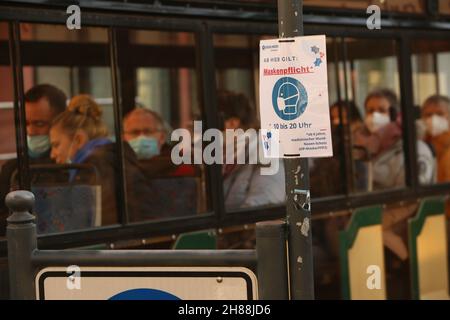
[237, 74]
[377, 145]
[431, 80]
[70, 126]
[7, 124]
[237, 64]
[159, 91]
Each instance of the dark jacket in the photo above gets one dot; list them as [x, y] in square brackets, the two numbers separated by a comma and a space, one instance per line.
[140, 190]
[103, 159]
[163, 166]
[159, 189]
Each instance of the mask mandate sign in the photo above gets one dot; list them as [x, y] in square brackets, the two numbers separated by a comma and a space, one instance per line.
[294, 103]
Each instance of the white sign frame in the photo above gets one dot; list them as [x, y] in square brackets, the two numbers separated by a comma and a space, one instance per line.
[186, 283]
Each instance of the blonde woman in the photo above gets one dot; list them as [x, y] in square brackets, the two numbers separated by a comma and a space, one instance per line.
[79, 136]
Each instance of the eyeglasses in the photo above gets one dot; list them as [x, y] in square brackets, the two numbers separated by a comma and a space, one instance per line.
[142, 132]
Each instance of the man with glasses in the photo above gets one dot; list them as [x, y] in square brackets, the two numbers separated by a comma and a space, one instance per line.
[144, 131]
[152, 197]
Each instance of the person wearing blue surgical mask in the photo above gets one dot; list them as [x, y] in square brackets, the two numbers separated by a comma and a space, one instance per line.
[144, 132]
[38, 146]
[80, 136]
[43, 103]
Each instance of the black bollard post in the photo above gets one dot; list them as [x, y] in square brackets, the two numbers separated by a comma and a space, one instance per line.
[21, 236]
[272, 260]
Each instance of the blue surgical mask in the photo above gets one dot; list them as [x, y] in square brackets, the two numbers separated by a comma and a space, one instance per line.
[145, 147]
[38, 145]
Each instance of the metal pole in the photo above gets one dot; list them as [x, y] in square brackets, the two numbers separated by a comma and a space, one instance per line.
[272, 260]
[19, 105]
[298, 217]
[121, 187]
[21, 235]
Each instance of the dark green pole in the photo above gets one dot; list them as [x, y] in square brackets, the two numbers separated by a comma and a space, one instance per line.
[298, 216]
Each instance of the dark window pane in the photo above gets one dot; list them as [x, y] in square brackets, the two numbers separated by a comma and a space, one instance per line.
[8, 162]
[73, 158]
[159, 92]
[378, 156]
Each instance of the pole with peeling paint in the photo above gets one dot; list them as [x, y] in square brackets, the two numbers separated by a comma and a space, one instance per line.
[298, 203]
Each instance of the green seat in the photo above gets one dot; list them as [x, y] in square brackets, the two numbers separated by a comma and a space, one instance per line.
[362, 256]
[427, 233]
[206, 239]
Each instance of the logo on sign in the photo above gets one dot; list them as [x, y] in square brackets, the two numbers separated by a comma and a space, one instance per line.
[289, 98]
[274, 46]
[144, 294]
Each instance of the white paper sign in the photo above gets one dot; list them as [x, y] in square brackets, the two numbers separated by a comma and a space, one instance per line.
[294, 103]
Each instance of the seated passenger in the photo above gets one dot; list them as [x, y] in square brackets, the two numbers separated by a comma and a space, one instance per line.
[170, 190]
[79, 136]
[382, 140]
[43, 103]
[244, 186]
[145, 132]
[436, 116]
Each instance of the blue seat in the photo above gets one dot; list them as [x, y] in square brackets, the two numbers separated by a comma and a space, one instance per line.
[61, 205]
[66, 207]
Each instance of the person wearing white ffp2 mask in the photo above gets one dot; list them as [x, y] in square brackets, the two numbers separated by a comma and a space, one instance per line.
[382, 138]
[436, 117]
[385, 162]
[376, 120]
[436, 125]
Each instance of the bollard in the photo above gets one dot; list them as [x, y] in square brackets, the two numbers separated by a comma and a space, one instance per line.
[21, 236]
[272, 260]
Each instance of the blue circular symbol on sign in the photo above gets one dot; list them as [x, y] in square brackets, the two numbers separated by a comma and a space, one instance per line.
[144, 294]
[289, 98]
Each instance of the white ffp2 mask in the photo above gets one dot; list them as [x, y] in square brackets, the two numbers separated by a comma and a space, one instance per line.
[436, 125]
[376, 120]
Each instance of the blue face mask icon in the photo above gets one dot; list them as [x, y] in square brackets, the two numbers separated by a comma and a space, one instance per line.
[145, 147]
[38, 145]
[287, 98]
